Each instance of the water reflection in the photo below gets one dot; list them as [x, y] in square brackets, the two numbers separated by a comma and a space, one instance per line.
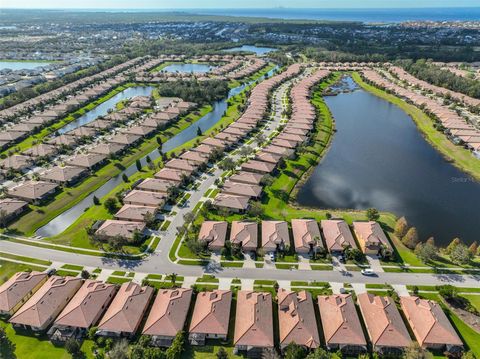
[379, 159]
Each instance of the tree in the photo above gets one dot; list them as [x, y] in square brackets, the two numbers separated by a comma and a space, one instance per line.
[256, 209]
[119, 350]
[3, 218]
[372, 214]
[461, 255]
[401, 227]
[411, 238]
[72, 347]
[92, 332]
[175, 350]
[455, 242]
[96, 201]
[159, 141]
[228, 164]
[222, 353]
[320, 353]
[473, 248]
[426, 252]
[448, 291]
[139, 165]
[415, 351]
[110, 205]
[85, 274]
[199, 131]
[188, 218]
[173, 278]
[148, 159]
[294, 351]
[270, 353]
[7, 348]
[468, 355]
[149, 219]
[124, 177]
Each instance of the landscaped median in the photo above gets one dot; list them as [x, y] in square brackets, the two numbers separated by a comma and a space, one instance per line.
[460, 157]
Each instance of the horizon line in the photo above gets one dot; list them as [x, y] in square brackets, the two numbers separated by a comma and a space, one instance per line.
[238, 8]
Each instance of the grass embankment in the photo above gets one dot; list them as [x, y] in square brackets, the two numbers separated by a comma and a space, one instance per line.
[39, 136]
[63, 200]
[75, 235]
[278, 197]
[460, 157]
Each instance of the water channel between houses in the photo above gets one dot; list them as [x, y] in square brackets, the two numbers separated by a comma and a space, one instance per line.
[65, 219]
[378, 158]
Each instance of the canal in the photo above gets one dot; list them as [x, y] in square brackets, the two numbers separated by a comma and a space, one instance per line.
[65, 219]
[379, 159]
[22, 65]
[105, 107]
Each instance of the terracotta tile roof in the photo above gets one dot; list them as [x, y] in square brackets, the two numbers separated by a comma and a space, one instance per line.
[258, 166]
[247, 177]
[181, 165]
[383, 321]
[155, 185]
[169, 174]
[16, 162]
[32, 190]
[428, 322]
[62, 174]
[107, 148]
[305, 234]
[340, 321]
[268, 157]
[127, 309]
[254, 319]
[11, 205]
[40, 150]
[370, 234]
[113, 228]
[144, 198]
[231, 201]
[63, 140]
[242, 189]
[214, 142]
[337, 234]
[245, 233]
[296, 317]
[274, 233]
[87, 305]
[214, 233]
[47, 302]
[14, 290]
[125, 138]
[169, 312]
[131, 212]
[195, 157]
[211, 314]
[86, 160]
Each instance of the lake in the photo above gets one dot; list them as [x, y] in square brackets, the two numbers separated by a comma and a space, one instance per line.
[65, 219]
[379, 159]
[21, 65]
[104, 107]
[258, 50]
[188, 68]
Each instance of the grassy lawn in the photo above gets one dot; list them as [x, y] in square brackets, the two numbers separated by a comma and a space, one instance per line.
[39, 347]
[25, 259]
[469, 336]
[474, 300]
[75, 235]
[7, 269]
[461, 157]
[116, 280]
[72, 267]
[206, 352]
[31, 140]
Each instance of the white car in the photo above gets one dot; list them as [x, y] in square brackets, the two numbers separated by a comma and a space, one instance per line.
[368, 271]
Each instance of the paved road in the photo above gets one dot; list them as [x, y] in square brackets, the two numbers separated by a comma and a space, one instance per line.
[159, 262]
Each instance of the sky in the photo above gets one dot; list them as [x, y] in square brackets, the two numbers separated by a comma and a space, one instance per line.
[190, 4]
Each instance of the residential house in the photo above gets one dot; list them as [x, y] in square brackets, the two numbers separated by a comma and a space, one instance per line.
[337, 235]
[46, 303]
[210, 317]
[125, 313]
[18, 289]
[254, 323]
[245, 235]
[168, 315]
[372, 238]
[306, 235]
[275, 235]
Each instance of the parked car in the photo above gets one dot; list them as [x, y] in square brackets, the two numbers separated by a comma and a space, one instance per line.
[271, 256]
[341, 259]
[368, 272]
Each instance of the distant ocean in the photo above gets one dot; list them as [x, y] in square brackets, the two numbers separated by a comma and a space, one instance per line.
[363, 15]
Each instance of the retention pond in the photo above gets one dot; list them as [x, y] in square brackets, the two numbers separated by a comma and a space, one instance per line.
[378, 158]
